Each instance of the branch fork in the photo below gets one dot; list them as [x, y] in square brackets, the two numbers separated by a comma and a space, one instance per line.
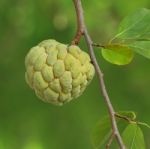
[82, 31]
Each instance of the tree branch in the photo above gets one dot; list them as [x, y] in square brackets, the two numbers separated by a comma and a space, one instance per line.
[82, 28]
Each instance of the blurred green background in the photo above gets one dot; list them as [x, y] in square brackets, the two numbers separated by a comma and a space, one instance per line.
[28, 123]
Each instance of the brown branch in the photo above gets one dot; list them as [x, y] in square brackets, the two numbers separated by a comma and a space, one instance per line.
[77, 38]
[83, 29]
[80, 25]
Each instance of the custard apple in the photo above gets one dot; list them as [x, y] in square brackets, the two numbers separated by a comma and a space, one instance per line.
[57, 72]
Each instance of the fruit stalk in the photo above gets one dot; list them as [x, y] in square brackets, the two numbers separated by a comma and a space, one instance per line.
[82, 28]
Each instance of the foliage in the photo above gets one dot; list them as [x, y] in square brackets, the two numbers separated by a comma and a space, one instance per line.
[117, 54]
[132, 134]
[134, 35]
[101, 132]
[133, 137]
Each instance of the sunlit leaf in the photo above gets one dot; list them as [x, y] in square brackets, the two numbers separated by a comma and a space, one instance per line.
[117, 54]
[127, 114]
[101, 132]
[133, 137]
[135, 26]
[141, 47]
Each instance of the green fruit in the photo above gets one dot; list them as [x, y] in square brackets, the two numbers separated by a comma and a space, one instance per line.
[57, 72]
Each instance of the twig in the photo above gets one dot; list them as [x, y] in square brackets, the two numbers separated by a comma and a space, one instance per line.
[124, 117]
[83, 29]
[110, 141]
[97, 45]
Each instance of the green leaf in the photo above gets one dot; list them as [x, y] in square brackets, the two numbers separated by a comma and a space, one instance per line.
[101, 132]
[117, 54]
[133, 137]
[135, 26]
[141, 47]
[127, 114]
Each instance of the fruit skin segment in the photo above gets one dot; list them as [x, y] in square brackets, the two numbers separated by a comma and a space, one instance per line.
[56, 72]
